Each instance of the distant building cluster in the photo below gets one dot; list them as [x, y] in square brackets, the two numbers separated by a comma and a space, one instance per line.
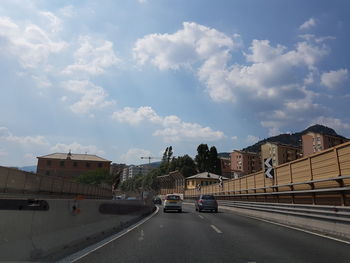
[243, 162]
[238, 163]
[133, 170]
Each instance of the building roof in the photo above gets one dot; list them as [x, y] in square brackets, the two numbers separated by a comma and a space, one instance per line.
[245, 152]
[74, 156]
[282, 144]
[205, 176]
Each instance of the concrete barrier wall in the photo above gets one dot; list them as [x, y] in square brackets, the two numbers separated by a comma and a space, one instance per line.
[29, 235]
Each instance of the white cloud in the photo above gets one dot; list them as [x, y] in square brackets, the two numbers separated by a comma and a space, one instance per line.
[31, 44]
[93, 97]
[234, 138]
[77, 148]
[135, 116]
[308, 24]
[252, 139]
[133, 156]
[67, 11]
[187, 46]
[93, 56]
[273, 79]
[335, 78]
[174, 129]
[273, 71]
[334, 123]
[6, 135]
[54, 23]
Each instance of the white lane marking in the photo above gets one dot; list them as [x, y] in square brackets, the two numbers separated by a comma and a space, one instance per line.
[200, 216]
[86, 251]
[298, 229]
[216, 229]
[142, 234]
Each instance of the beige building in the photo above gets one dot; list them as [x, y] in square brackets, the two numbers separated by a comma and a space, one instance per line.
[316, 142]
[280, 153]
[202, 179]
[243, 163]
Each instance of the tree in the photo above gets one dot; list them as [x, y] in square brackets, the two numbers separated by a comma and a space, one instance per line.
[214, 161]
[184, 164]
[166, 159]
[202, 158]
[96, 177]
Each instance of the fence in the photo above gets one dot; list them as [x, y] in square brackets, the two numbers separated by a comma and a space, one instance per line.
[321, 178]
[13, 181]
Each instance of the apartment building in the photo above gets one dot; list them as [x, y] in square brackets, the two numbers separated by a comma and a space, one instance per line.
[225, 164]
[316, 142]
[280, 153]
[133, 170]
[243, 163]
[70, 165]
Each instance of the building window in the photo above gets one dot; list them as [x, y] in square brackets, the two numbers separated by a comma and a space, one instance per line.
[48, 162]
[61, 163]
[88, 165]
[100, 165]
[75, 164]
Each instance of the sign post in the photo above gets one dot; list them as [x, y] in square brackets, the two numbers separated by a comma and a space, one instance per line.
[268, 169]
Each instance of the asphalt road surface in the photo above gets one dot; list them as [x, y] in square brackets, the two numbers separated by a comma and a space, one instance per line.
[223, 237]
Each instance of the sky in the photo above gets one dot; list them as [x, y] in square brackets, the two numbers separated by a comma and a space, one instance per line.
[125, 79]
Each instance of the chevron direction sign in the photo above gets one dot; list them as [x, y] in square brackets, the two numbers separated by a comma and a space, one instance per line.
[269, 172]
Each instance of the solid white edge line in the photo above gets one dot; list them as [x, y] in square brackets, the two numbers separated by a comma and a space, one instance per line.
[216, 229]
[88, 250]
[294, 228]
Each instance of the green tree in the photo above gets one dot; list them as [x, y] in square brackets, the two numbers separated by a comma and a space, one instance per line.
[95, 177]
[166, 159]
[184, 164]
[214, 161]
[202, 158]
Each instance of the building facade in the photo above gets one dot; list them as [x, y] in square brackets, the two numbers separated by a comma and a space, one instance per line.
[316, 142]
[69, 165]
[279, 153]
[203, 179]
[133, 170]
[243, 163]
[225, 164]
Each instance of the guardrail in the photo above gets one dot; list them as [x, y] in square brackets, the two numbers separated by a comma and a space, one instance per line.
[13, 181]
[321, 178]
[333, 213]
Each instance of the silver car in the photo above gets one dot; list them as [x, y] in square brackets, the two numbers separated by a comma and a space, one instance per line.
[172, 202]
[206, 202]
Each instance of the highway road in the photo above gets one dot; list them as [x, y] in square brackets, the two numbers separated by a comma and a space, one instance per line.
[223, 237]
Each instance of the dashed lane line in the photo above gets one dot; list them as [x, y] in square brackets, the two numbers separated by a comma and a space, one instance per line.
[217, 230]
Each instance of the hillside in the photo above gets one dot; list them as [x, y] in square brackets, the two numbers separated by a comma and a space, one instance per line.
[292, 139]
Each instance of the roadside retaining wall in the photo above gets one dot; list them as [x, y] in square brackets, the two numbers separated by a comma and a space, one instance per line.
[34, 234]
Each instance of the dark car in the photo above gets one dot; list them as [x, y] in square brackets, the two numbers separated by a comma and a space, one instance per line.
[206, 202]
[157, 200]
